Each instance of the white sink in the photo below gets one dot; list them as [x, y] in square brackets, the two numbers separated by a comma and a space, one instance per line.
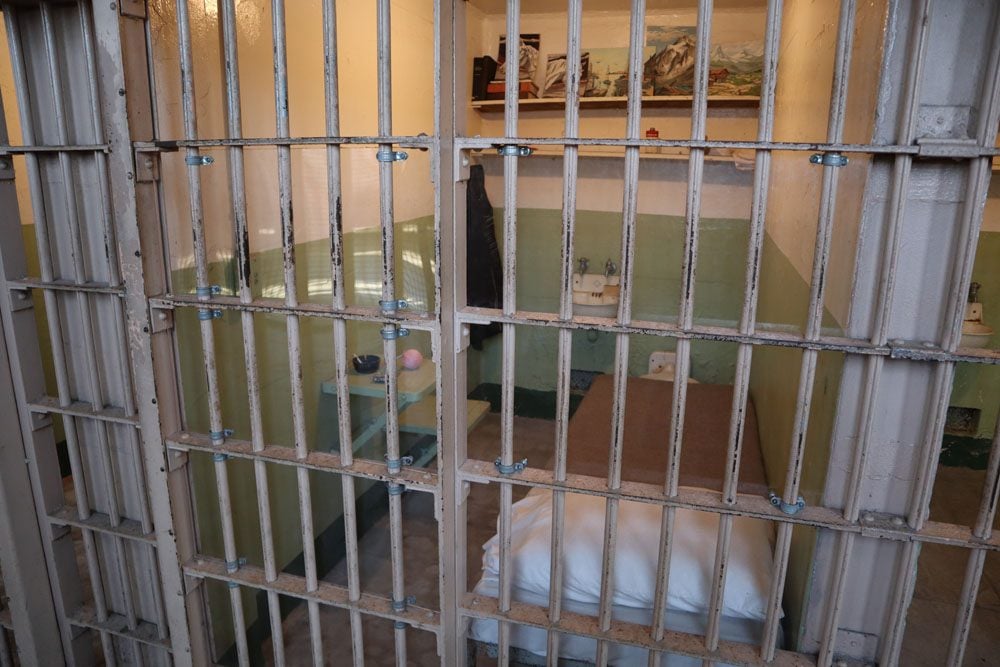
[975, 334]
[595, 295]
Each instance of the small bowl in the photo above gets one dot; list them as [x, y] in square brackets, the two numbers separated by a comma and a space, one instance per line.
[366, 363]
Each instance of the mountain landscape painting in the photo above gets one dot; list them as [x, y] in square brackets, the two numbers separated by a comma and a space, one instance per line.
[735, 68]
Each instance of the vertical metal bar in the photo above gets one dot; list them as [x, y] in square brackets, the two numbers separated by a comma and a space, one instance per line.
[845, 546]
[906, 579]
[237, 189]
[114, 279]
[977, 186]
[991, 490]
[890, 257]
[570, 164]
[92, 377]
[511, 96]
[967, 605]
[171, 521]
[387, 220]
[292, 321]
[629, 210]
[334, 194]
[190, 123]
[55, 332]
[807, 374]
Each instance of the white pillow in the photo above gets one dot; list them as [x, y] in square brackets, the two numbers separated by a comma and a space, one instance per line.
[692, 561]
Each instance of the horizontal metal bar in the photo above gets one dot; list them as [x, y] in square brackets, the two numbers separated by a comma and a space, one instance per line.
[116, 624]
[50, 405]
[425, 322]
[69, 148]
[68, 515]
[780, 336]
[412, 478]
[326, 593]
[407, 141]
[483, 143]
[748, 505]
[631, 634]
[65, 286]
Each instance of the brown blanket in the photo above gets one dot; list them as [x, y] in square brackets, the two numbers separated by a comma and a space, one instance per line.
[647, 435]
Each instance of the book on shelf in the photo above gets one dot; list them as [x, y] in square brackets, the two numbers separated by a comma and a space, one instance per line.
[496, 90]
[483, 71]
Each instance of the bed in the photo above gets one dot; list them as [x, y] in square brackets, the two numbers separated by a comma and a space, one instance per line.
[647, 425]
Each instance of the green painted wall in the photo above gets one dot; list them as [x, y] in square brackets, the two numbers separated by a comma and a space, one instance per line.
[978, 385]
[659, 246]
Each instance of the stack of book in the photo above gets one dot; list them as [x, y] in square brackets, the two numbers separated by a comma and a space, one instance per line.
[497, 90]
[484, 87]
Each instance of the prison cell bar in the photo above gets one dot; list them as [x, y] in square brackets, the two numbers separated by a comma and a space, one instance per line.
[114, 278]
[334, 194]
[979, 178]
[389, 304]
[119, 319]
[506, 459]
[92, 375]
[190, 125]
[237, 190]
[55, 333]
[278, 35]
[630, 194]
[565, 353]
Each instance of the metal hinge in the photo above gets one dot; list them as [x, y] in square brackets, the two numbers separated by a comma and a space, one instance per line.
[830, 159]
[147, 167]
[388, 155]
[20, 299]
[510, 150]
[133, 8]
[161, 318]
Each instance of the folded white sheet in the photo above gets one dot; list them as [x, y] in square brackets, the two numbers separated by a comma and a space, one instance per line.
[692, 559]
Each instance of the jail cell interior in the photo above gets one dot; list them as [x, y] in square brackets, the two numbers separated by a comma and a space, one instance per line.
[332, 336]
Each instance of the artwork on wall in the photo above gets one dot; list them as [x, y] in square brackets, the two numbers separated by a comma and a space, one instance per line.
[531, 45]
[609, 72]
[555, 74]
[735, 68]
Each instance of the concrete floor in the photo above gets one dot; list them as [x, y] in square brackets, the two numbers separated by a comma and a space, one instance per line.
[940, 573]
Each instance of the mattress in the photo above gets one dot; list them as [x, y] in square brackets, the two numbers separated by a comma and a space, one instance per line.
[646, 438]
[647, 424]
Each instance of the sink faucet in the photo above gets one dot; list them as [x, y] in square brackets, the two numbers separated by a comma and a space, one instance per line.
[609, 268]
[582, 265]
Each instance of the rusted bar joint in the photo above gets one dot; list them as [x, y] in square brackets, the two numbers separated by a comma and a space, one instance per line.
[788, 508]
[401, 605]
[208, 291]
[829, 159]
[206, 314]
[517, 466]
[392, 332]
[198, 160]
[218, 437]
[389, 307]
[396, 466]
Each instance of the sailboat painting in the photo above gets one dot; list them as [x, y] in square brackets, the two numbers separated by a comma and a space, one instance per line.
[735, 68]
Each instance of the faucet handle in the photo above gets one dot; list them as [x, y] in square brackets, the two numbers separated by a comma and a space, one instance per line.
[610, 268]
[582, 265]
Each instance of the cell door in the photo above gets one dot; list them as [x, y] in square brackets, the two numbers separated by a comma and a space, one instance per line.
[356, 350]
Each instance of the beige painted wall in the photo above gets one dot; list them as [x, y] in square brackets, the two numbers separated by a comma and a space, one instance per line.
[413, 105]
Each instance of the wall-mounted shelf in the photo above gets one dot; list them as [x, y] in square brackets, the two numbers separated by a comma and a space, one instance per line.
[555, 103]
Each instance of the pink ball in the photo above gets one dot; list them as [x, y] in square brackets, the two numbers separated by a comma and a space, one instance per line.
[412, 359]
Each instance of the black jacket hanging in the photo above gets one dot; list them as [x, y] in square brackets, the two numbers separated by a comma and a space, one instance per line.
[483, 267]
